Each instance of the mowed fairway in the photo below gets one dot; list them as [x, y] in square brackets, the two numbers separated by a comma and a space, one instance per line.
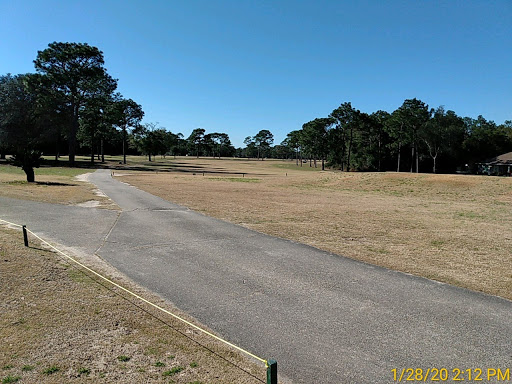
[451, 228]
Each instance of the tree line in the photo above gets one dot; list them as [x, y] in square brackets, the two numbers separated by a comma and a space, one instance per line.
[412, 138]
[70, 105]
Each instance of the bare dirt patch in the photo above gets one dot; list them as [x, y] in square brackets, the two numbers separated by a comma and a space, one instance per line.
[59, 325]
[451, 228]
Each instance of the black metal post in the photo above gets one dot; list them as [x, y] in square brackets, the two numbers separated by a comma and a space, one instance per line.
[25, 235]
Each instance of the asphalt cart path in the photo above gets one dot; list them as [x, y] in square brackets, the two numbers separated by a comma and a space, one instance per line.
[83, 229]
[323, 317]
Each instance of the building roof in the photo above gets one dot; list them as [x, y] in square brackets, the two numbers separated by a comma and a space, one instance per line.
[505, 159]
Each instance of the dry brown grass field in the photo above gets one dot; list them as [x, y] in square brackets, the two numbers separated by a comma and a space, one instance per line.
[451, 228]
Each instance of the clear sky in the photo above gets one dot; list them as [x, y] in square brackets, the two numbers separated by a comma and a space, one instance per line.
[241, 66]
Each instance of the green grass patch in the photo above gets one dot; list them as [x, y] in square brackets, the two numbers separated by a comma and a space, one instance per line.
[44, 170]
[381, 251]
[293, 166]
[11, 170]
[152, 351]
[10, 379]
[236, 179]
[173, 371]
[61, 171]
[16, 182]
[84, 371]
[437, 243]
[51, 370]
[193, 364]
[78, 277]
[27, 368]
[159, 364]
[469, 215]
[123, 358]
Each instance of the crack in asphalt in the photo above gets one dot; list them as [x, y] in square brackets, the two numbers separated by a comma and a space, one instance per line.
[145, 246]
[108, 234]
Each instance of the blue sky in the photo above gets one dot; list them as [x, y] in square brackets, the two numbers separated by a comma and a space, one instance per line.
[242, 66]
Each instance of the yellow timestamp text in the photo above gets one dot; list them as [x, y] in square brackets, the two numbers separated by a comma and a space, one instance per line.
[450, 375]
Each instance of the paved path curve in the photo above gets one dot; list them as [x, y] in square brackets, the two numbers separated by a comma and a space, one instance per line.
[324, 318]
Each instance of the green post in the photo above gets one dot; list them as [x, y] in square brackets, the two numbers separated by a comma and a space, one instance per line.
[272, 372]
[25, 236]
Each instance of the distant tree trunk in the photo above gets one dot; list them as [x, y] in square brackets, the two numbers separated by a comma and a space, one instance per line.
[2, 155]
[149, 154]
[323, 164]
[433, 150]
[416, 153]
[379, 153]
[72, 135]
[350, 140]
[29, 171]
[314, 161]
[412, 158]
[124, 144]
[300, 157]
[57, 147]
[310, 162]
[102, 149]
[400, 144]
[92, 148]
[296, 156]
[343, 151]
[399, 150]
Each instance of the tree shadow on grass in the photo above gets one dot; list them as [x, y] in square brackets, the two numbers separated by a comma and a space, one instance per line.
[55, 184]
[179, 167]
[37, 248]
[48, 183]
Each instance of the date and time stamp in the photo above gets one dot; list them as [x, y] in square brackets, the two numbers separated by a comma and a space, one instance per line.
[451, 375]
